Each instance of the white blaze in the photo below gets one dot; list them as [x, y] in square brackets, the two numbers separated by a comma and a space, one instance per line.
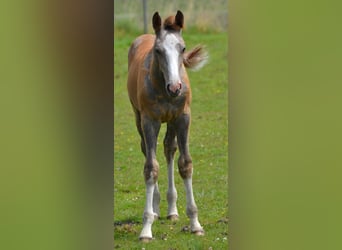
[172, 55]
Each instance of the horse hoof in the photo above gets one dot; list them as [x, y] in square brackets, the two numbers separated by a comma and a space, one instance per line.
[198, 233]
[145, 240]
[172, 217]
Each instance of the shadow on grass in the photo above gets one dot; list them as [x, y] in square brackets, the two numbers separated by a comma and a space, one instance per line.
[128, 226]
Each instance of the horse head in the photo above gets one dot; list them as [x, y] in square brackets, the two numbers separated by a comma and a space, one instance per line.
[168, 51]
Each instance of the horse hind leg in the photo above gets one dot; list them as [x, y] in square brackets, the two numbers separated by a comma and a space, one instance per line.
[170, 147]
[156, 201]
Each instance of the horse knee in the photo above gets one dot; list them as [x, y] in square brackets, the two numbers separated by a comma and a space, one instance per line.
[170, 148]
[169, 152]
[185, 167]
[151, 169]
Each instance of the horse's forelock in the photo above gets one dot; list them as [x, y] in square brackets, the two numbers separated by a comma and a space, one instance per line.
[170, 24]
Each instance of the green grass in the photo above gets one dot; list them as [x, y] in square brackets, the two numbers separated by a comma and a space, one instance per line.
[208, 147]
[205, 15]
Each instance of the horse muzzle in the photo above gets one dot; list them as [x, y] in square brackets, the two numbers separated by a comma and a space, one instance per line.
[174, 90]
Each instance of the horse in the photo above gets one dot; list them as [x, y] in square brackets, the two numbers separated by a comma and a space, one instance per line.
[159, 91]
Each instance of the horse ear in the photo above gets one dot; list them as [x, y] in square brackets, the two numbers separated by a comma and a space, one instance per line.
[156, 21]
[179, 20]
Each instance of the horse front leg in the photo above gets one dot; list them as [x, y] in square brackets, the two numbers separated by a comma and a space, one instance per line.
[138, 125]
[170, 147]
[150, 130]
[185, 170]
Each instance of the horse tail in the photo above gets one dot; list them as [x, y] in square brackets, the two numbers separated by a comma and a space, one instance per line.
[195, 58]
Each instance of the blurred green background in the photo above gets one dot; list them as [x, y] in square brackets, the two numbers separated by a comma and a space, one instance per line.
[204, 15]
[285, 123]
[56, 139]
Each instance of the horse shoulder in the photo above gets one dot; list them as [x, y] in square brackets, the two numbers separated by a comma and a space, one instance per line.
[140, 47]
[137, 53]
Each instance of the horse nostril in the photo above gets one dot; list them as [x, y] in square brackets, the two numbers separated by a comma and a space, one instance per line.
[174, 89]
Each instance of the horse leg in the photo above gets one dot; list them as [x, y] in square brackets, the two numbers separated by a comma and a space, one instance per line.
[138, 124]
[150, 130]
[185, 170]
[170, 147]
[156, 193]
[156, 201]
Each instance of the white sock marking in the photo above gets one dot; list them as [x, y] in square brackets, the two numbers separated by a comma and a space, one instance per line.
[148, 216]
[171, 191]
[191, 205]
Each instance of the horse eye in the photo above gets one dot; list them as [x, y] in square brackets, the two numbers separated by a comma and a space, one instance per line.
[183, 50]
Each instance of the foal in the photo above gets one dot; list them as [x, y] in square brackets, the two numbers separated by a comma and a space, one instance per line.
[159, 91]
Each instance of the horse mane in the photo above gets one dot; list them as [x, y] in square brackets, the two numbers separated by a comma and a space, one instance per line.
[170, 24]
[196, 58]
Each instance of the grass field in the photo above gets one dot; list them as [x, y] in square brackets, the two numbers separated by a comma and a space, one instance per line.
[208, 148]
[205, 15]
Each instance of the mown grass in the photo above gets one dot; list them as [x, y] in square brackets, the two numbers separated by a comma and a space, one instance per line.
[208, 147]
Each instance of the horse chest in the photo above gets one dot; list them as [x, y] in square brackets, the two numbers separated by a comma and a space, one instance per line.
[166, 110]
